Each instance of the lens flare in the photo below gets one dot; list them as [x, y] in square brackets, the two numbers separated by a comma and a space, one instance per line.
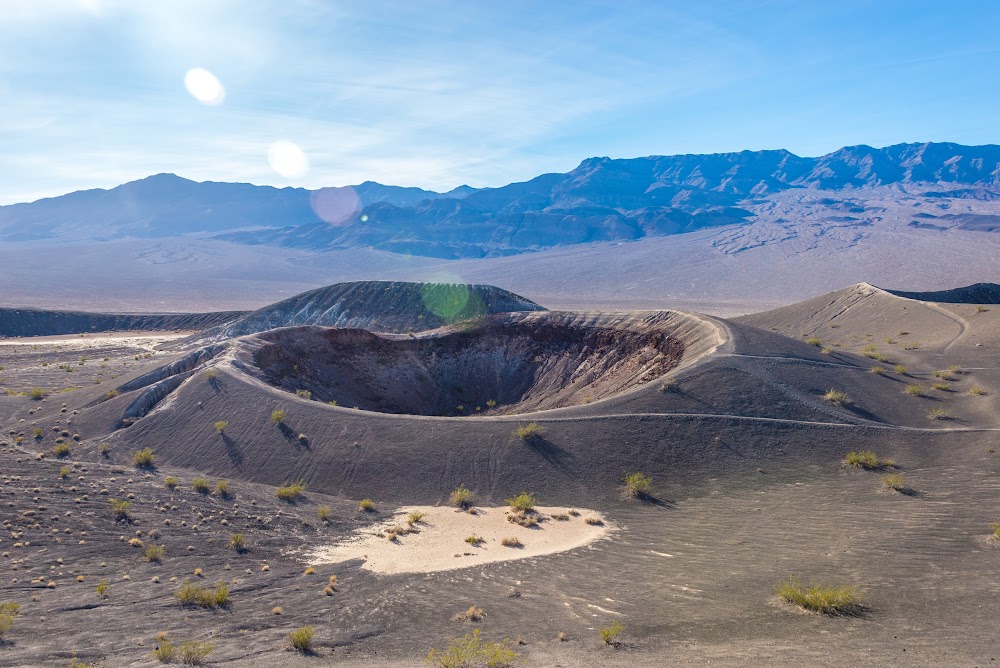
[336, 206]
[287, 159]
[204, 86]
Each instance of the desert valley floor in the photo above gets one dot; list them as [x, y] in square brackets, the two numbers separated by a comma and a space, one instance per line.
[399, 393]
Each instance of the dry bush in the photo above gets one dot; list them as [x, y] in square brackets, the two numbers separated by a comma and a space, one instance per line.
[291, 491]
[238, 542]
[825, 599]
[155, 553]
[302, 639]
[366, 505]
[120, 508]
[837, 398]
[195, 595]
[914, 390]
[220, 426]
[143, 459]
[894, 482]
[472, 651]
[526, 431]
[462, 497]
[511, 542]
[323, 513]
[8, 615]
[866, 459]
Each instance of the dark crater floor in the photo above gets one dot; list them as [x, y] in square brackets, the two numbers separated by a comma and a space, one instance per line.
[503, 365]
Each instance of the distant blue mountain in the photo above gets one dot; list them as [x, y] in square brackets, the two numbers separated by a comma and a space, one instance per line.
[602, 199]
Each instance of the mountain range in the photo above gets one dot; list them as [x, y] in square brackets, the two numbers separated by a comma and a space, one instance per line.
[603, 199]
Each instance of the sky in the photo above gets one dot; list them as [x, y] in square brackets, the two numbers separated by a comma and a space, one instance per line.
[314, 93]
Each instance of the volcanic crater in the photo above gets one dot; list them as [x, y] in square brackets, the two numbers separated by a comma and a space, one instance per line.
[503, 364]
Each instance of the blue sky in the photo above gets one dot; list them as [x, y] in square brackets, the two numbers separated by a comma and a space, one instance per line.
[436, 94]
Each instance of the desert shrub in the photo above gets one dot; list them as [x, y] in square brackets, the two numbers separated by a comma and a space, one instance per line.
[220, 426]
[302, 639]
[8, 615]
[278, 416]
[37, 393]
[211, 374]
[475, 540]
[836, 397]
[491, 403]
[201, 485]
[825, 599]
[937, 414]
[111, 394]
[120, 508]
[64, 472]
[996, 529]
[901, 369]
[594, 521]
[103, 449]
[305, 394]
[323, 513]
[941, 387]
[894, 482]
[61, 450]
[526, 431]
[143, 458]
[415, 517]
[866, 459]
[637, 485]
[155, 553]
[611, 633]
[814, 341]
[471, 651]
[164, 652]
[102, 589]
[522, 503]
[195, 595]
[291, 491]
[511, 542]
[461, 497]
[38, 433]
[977, 391]
[238, 542]
[194, 652]
[877, 370]
[367, 505]
[981, 309]
[222, 488]
[171, 482]
[914, 390]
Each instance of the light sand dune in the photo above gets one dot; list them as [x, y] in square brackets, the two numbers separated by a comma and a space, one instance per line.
[439, 542]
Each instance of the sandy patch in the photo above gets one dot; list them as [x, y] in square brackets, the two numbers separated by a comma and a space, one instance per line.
[93, 339]
[439, 544]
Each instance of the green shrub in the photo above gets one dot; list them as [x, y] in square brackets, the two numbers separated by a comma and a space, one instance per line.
[825, 599]
[64, 472]
[194, 652]
[814, 341]
[837, 398]
[522, 503]
[238, 542]
[171, 482]
[367, 505]
[415, 518]
[610, 634]
[103, 449]
[220, 426]
[302, 639]
[222, 488]
[143, 459]
[914, 390]
[305, 394]
[323, 513]
[894, 482]
[155, 553]
[866, 459]
[290, 491]
[937, 414]
[976, 391]
[462, 497]
[61, 450]
[941, 387]
[164, 652]
[637, 485]
[201, 485]
[211, 374]
[471, 651]
[877, 370]
[111, 394]
[527, 431]
[475, 540]
[195, 595]
[278, 416]
[8, 615]
[120, 508]
[996, 529]
[102, 589]
[901, 369]
[37, 393]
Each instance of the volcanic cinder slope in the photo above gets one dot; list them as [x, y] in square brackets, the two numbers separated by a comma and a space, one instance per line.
[728, 417]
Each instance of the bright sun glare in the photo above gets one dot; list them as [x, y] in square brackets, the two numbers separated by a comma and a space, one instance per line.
[287, 159]
[204, 86]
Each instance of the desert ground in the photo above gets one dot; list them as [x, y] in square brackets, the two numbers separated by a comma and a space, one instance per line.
[742, 424]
